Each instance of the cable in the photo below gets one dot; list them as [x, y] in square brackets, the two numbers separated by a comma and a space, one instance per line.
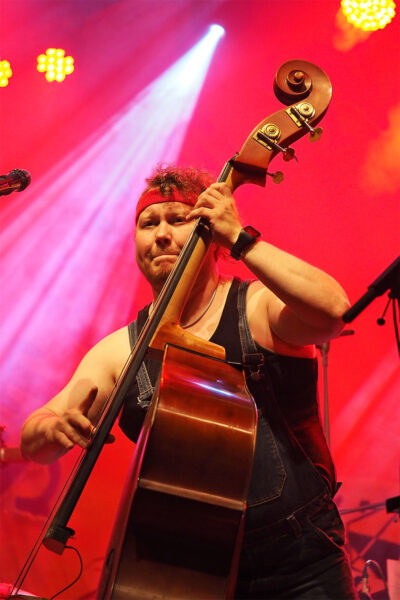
[370, 563]
[76, 578]
[36, 546]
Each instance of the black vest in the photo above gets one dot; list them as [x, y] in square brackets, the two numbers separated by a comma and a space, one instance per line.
[292, 464]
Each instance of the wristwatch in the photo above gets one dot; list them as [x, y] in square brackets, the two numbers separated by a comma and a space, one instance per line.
[247, 237]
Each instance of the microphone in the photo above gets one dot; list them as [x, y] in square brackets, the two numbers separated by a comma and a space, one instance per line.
[15, 181]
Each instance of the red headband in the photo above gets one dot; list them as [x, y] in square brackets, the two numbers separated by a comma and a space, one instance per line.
[154, 197]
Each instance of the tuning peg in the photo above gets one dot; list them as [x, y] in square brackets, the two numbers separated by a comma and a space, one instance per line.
[315, 134]
[288, 154]
[268, 140]
[301, 114]
[277, 177]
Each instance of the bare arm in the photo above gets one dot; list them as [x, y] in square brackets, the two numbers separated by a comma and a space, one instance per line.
[294, 301]
[68, 418]
[304, 305]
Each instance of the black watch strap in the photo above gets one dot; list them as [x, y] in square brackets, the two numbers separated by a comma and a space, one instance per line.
[247, 237]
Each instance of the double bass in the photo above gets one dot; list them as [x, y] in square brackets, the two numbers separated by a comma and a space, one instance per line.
[179, 528]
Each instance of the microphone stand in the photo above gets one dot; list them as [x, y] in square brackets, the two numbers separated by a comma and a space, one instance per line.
[392, 505]
[324, 349]
[388, 280]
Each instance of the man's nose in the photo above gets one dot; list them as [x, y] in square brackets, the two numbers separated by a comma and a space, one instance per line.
[163, 232]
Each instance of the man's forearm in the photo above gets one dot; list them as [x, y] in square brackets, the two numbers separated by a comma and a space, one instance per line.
[315, 297]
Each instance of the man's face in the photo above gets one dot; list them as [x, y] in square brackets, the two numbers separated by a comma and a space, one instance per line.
[161, 233]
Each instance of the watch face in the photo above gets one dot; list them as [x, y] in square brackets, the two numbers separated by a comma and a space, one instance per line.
[249, 229]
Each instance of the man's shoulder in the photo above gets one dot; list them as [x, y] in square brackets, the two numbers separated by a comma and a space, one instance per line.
[116, 337]
[115, 345]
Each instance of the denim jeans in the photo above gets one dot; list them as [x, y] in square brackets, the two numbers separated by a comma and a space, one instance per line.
[307, 562]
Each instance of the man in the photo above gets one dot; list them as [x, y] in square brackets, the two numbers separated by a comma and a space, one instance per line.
[293, 535]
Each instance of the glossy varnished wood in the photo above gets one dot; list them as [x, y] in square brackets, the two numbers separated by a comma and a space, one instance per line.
[192, 471]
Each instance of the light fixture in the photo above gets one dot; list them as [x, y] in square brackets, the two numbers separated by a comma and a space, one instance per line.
[55, 64]
[369, 15]
[5, 72]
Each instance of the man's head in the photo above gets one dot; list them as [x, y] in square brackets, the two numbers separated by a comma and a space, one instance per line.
[161, 219]
[173, 184]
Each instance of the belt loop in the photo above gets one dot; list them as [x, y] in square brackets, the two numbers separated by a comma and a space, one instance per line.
[294, 524]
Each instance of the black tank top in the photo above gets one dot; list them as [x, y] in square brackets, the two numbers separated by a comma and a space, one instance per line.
[294, 384]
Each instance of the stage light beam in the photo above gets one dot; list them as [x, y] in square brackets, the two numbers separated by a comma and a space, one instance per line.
[70, 238]
[216, 31]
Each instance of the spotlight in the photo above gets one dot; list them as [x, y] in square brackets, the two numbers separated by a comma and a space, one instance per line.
[5, 72]
[369, 15]
[216, 31]
[55, 64]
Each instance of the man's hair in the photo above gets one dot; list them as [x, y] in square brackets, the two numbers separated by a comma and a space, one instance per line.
[187, 180]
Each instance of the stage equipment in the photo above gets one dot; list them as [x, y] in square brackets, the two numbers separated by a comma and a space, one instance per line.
[377, 568]
[369, 15]
[388, 280]
[15, 181]
[55, 64]
[392, 505]
[5, 72]
[324, 349]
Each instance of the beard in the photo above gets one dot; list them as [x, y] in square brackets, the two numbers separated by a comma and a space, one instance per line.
[157, 274]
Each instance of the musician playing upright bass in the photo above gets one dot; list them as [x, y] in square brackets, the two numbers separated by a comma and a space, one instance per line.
[293, 541]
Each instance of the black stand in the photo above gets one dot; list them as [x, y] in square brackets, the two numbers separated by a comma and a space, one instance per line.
[392, 505]
[324, 349]
[388, 280]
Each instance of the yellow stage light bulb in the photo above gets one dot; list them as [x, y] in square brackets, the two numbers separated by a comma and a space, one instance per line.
[5, 73]
[369, 15]
[55, 64]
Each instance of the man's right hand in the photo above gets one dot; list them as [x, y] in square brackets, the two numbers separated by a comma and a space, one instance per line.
[48, 434]
[73, 427]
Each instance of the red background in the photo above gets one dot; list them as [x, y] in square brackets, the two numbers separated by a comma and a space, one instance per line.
[66, 250]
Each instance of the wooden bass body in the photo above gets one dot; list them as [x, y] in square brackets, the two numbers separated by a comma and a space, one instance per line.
[183, 506]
